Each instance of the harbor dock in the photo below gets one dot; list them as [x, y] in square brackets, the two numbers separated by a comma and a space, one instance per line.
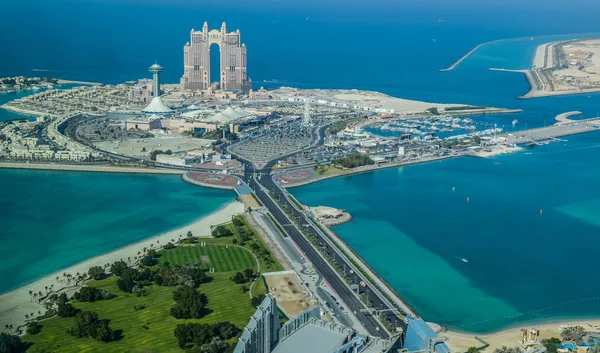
[564, 127]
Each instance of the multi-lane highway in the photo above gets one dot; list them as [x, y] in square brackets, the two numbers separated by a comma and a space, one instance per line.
[338, 285]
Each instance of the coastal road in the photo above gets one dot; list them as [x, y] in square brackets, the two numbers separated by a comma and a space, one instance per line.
[336, 283]
[374, 297]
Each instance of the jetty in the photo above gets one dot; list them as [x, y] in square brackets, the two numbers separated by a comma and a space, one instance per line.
[464, 57]
[564, 127]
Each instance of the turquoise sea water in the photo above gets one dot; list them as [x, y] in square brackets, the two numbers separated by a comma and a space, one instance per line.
[414, 230]
[52, 220]
[519, 261]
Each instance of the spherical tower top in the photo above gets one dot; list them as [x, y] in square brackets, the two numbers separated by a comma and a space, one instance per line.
[155, 68]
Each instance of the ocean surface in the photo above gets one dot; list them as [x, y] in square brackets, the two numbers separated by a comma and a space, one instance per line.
[519, 261]
[52, 220]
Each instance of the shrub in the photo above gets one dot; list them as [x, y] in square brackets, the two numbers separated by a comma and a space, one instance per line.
[189, 303]
[91, 294]
[33, 328]
[87, 324]
[255, 301]
[126, 284]
[238, 222]
[195, 337]
[118, 268]
[11, 344]
[225, 330]
[96, 272]
[238, 278]
[66, 310]
[221, 231]
[168, 246]
[248, 273]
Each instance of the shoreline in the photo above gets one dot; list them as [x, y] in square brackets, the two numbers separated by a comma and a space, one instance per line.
[16, 303]
[460, 341]
[539, 75]
[366, 170]
[87, 168]
[470, 52]
[70, 82]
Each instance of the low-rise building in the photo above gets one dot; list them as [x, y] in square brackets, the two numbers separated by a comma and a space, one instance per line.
[170, 159]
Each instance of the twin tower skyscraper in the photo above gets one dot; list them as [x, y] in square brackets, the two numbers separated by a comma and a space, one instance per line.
[196, 60]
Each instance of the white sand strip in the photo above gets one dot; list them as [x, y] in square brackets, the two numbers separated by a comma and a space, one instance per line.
[16, 304]
[460, 342]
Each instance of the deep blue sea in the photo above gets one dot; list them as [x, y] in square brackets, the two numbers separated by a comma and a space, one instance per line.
[519, 261]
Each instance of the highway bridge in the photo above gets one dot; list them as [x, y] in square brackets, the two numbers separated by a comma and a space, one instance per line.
[261, 182]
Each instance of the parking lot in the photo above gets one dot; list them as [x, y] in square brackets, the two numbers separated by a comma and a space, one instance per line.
[274, 141]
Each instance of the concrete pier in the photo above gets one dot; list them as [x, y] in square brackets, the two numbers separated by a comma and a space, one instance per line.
[564, 128]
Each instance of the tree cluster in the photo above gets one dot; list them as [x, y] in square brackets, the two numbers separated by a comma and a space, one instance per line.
[66, 310]
[33, 328]
[574, 333]
[353, 161]
[91, 294]
[240, 277]
[87, 324]
[118, 267]
[155, 152]
[195, 337]
[168, 246]
[220, 232]
[150, 259]
[505, 349]
[11, 344]
[97, 273]
[551, 344]
[132, 278]
[189, 303]
[190, 276]
[255, 301]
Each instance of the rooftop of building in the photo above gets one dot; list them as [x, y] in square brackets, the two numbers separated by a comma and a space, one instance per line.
[417, 335]
[314, 338]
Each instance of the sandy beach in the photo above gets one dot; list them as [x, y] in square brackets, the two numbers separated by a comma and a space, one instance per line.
[461, 341]
[16, 304]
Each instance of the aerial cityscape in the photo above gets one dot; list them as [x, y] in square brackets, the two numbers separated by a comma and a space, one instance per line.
[434, 193]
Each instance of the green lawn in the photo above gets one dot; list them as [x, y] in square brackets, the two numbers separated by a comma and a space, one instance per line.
[151, 329]
[220, 257]
[226, 300]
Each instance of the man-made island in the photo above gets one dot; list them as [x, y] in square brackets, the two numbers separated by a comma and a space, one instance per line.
[562, 68]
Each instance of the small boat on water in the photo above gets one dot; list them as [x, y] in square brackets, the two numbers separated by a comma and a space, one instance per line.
[464, 259]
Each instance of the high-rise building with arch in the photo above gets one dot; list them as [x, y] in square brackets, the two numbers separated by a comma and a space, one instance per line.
[196, 60]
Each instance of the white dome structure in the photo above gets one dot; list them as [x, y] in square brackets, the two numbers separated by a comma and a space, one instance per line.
[242, 112]
[157, 106]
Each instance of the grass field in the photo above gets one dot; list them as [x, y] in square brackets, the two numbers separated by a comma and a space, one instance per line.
[220, 257]
[151, 329]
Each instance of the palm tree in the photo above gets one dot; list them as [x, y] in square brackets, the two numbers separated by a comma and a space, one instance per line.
[26, 316]
[10, 326]
[39, 313]
[40, 293]
[46, 288]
